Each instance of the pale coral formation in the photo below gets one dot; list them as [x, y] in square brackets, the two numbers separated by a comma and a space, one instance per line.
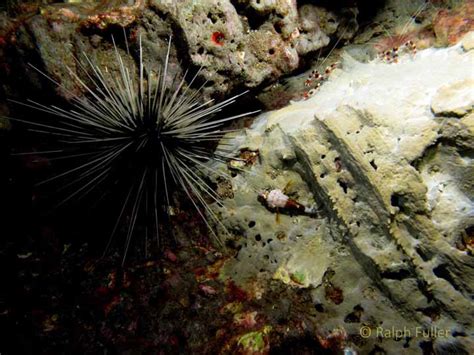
[385, 152]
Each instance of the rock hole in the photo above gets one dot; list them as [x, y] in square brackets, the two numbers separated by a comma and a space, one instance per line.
[271, 51]
[470, 231]
[251, 224]
[269, 240]
[319, 307]
[442, 272]
[322, 176]
[458, 333]
[343, 185]
[396, 200]
[255, 20]
[338, 164]
[323, 156]
[399, 274]
[466, 239]
[212, 17]
[200, 50]
[431, 312]
[372, 163]
[355, 315]
[258, 237]
[278, 26]
[422, 253]
[266, 257]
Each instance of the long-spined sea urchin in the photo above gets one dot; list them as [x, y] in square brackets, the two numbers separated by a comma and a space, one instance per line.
[162, 132]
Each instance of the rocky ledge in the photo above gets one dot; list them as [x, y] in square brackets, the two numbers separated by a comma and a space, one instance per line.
[383, 152]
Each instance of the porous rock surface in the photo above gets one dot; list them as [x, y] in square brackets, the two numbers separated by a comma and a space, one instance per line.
[236, 43]
[385, 152]
[425, 23]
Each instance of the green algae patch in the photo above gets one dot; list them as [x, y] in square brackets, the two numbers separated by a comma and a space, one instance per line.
[254, 341]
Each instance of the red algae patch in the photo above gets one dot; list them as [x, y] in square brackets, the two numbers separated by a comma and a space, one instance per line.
[218, 38]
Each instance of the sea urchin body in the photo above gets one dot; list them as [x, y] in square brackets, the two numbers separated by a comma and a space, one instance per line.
[160, 134]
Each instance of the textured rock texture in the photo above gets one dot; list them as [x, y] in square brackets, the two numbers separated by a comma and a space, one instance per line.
[425, 23]
[236, 43]
[385, 152]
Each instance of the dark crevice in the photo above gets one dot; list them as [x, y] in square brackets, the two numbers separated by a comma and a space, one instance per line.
[442, 272]
[431, 312]
[400, 274]
[372, 163]
[423, 253]
[355, 315]
[319, 307]
[343, 185]
[458, 333]
[397, 200]
[254, 19]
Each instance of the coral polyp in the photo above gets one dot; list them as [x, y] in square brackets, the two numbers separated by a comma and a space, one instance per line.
[150, 135]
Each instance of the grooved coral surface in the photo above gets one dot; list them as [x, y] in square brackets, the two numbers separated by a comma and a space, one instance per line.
[391, 245]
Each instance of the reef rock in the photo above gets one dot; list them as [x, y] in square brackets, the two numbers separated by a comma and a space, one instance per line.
[236, 43]
[384, 152]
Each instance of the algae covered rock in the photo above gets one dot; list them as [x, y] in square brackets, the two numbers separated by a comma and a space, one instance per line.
[384, 153]
[235, 43]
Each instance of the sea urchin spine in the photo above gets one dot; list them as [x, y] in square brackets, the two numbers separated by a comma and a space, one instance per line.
[159, 134]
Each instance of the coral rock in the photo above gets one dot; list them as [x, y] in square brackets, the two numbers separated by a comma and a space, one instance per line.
[393, 183]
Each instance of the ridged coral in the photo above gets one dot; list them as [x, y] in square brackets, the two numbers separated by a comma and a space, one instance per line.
[391, 174]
